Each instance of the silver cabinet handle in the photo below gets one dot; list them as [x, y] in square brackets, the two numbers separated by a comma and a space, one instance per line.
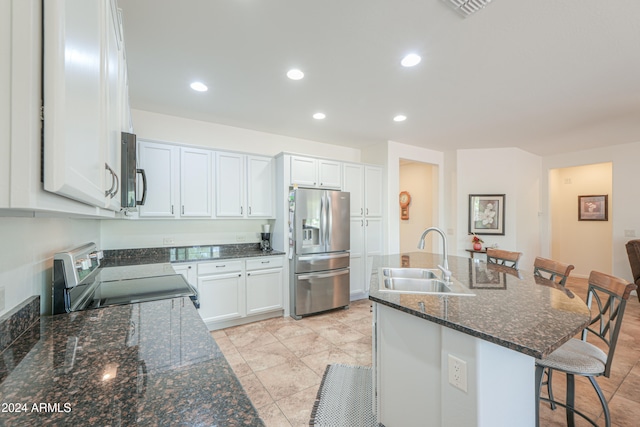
[240, 210]
[113, 190]
[171, 209]
[221, 266]
[182, 210]
[249, 210]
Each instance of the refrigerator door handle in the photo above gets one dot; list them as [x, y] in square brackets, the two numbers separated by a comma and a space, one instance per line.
[324, 275]
[323, 221]
[329, 228]
[321, 257]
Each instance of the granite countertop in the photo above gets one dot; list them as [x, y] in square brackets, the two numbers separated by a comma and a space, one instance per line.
[122, 257]
[514, 309]
[152, 363]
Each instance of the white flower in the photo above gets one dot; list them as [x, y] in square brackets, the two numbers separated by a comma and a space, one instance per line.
[488, 215]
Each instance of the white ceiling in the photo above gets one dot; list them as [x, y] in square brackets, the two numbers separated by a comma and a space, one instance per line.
[547, 76]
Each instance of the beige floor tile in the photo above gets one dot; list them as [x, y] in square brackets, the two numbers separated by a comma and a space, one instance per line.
[297, 407]
[630, 388]
[287, 379]
[359, 350]
[272, 416]
[238, 364]
[305, 345]
[252, 337]
[624, 412]
[266, 356]
[283, 331]
[258, 395]
[226, 346]
[220, 333]
[340, 334]
[319, 361]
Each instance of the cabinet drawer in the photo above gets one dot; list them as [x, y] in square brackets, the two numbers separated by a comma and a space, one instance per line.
[266, 262]
[205, 268]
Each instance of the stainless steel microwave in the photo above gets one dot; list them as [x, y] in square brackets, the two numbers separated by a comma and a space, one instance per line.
[129, 174]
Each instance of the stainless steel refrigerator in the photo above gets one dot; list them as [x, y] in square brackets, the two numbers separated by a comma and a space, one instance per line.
[320, 236]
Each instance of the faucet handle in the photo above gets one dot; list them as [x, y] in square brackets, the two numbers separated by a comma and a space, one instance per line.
[445, 272]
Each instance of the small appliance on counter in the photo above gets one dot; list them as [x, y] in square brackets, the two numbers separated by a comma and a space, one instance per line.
[265, 238]
[81, 283]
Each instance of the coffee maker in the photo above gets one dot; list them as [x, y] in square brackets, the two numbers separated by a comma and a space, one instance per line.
[265, 242]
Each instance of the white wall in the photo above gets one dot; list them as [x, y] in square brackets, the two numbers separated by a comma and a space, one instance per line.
[395, 152]
[508, 171]
[419, 180]
[625, 198]
[585, 244]
[160, 127]
[26, 255]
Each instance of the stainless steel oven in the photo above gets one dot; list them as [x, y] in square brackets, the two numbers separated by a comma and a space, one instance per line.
[81, 283]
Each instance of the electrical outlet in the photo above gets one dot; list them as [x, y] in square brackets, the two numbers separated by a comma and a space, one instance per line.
[458, 373]
[629, 233]
[169, 241]
[240, 237]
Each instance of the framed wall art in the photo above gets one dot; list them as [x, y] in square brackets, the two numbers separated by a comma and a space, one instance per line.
[486, 214]
[593, 208]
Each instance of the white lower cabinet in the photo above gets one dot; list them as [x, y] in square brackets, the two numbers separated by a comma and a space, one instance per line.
[189, 271]
[264, 285]
[237, 291]
[221, 290]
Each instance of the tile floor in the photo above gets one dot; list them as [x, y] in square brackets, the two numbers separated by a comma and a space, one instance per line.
[280, 363]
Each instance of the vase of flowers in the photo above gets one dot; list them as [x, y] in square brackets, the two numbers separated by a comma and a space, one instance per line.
[477, 243]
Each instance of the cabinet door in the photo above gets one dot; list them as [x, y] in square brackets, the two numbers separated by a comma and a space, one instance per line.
[356, 256]
[354, 184]
[373, 244]
[113, 44]
[329, 174]
[160, 164]
[221, 297]
[373, 191]
[188, 271]
[264, 290]
[229, 185]
[195, 182]
[260, 185]
[303, 171]
[74, 128]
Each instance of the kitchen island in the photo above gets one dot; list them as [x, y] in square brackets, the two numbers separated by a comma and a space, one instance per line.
[151, 363]
[485, 342]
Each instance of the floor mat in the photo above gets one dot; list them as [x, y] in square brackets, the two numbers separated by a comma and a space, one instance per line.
[344, 398]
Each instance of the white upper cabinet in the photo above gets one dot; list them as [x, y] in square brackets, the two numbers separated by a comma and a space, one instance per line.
[354, 184]
[82, 100]
[320, 173]
[260, 186]
[244, 186]
[179, 181]
[160, 163]
[372, 191]
[230, 185]
[195, 182]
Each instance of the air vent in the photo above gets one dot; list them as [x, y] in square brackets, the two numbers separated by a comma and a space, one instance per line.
[467, 7]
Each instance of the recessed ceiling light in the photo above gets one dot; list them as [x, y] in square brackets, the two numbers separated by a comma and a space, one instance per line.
[319, 116]
[410, 60]
[198, 86]
[399, 118]
[295, 74]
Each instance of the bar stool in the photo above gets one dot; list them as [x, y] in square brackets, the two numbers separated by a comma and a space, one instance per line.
[633, 251]
[555, 271]
[506, 258]
[579, 357]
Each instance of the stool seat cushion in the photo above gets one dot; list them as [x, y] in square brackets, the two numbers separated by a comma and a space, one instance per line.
[576, 357]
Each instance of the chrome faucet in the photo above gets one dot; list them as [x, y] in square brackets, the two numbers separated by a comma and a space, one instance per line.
[444, 243]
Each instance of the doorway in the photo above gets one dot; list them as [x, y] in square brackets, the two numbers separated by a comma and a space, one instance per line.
[420, 181]
[587, 244]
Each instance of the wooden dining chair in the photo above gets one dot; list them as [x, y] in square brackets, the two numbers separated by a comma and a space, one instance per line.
[555, 271]
[501, 257]
[579, 357]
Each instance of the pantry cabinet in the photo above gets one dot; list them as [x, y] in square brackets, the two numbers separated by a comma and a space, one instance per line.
[364, 183]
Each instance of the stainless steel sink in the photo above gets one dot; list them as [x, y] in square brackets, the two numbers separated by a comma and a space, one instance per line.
[413, 285]
[410, 273]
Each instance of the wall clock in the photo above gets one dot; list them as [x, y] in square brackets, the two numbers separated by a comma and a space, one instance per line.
[405, 200]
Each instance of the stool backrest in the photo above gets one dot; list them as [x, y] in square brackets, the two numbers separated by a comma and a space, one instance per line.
[633, 251]
[506, 258]
[555, 271]
[610, 295]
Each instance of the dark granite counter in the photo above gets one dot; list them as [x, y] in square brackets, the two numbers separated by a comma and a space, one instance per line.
[513, 309]
[151, 363]
[121, 257]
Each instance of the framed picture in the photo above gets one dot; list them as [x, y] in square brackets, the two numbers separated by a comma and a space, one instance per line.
[486, 214]
[483, 277]
[593, 208]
